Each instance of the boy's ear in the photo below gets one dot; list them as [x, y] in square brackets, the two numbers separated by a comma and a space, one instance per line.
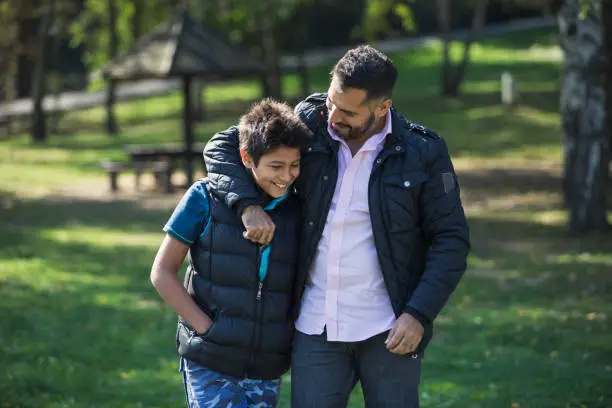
[247, 160]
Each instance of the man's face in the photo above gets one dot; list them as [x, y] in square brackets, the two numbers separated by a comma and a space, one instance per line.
[351, 115]
[276, 170]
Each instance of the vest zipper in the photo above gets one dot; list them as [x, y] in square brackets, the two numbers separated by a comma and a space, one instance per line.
[256, 309]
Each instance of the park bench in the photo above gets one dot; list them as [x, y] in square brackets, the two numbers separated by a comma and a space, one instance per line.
[161, 170]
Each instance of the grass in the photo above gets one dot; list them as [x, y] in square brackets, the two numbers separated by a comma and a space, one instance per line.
[529, 326]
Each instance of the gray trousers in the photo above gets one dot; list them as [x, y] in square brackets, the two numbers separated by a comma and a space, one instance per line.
[324, 373]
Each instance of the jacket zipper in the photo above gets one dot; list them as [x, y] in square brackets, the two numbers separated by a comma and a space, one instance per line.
[382, 156]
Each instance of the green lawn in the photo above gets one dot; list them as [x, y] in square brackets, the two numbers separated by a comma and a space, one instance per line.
[529, 325]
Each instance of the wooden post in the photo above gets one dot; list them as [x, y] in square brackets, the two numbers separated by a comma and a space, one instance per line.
[188, 127]
[509, 90]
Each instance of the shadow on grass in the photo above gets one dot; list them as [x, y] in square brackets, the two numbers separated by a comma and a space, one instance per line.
[81, 322]
[128, 216]
[529, 323]
[524, 40]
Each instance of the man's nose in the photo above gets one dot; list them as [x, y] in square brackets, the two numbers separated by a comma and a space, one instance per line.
[333, 115]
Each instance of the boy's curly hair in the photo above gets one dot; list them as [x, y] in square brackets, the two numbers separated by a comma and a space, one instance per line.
[270, 124]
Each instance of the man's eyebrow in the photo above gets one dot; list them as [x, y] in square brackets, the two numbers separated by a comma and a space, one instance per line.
[343, 110]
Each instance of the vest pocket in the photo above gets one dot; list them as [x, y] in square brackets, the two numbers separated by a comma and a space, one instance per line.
[189, 342]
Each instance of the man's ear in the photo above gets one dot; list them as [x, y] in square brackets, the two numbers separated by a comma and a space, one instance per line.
[247, 160]
[383, 107]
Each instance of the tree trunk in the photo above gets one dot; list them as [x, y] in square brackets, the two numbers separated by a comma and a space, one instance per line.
[113, 44]
[137, 20]
[478, 21]
[606, 15]
[303, 74]
[444, 9]
[272, 76]
[582, 105]
[453, 75]
[11, 48]
[39, 128]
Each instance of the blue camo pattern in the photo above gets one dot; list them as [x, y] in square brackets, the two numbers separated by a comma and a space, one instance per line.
[205, 388]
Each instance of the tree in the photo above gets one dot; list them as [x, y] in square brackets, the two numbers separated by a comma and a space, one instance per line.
[137, 15]
[39, 129]
[256, 25]
[376, 22]
[9, 49]
[606, 15]
[113, 45]
[586, 139]
[453, 75]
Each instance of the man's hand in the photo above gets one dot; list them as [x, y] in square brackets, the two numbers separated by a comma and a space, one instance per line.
[405, 335]
[258, 224]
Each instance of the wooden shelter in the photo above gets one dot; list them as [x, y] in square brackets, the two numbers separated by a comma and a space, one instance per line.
[182, 48]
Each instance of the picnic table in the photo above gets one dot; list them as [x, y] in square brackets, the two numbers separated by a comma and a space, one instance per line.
[160, 152]
[160, 159]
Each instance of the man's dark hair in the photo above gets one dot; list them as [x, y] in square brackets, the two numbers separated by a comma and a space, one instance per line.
[268, 125]
[366, 68]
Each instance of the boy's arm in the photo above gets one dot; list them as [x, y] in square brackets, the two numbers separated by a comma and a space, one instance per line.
[164, 277]
[226, 174]
[188, 221]
[234, 185]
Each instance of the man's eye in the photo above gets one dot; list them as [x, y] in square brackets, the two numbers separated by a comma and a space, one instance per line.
[276, 167]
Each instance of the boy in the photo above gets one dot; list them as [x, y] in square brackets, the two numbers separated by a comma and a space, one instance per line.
[234, 333]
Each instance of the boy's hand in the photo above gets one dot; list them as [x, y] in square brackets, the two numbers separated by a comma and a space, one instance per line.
[203, 327]
[258, 224]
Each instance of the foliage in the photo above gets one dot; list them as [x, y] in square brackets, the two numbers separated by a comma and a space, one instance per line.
[376, 17]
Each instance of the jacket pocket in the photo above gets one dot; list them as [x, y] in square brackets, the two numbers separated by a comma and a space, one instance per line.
[408, 181]
[399, 198]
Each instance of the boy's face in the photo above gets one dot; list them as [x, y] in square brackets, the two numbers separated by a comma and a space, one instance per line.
[276, 170]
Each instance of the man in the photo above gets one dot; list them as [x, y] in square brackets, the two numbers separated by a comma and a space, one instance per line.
[384, 239]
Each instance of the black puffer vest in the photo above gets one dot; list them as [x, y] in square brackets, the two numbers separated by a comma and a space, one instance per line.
[251, 333]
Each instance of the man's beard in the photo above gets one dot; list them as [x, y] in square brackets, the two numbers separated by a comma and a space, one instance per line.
[350, 133]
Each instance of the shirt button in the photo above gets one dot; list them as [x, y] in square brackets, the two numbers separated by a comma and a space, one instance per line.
[325, 178]
[310, 224]
[398, 148]
[378, 161]
[310, 149]
[406, 183]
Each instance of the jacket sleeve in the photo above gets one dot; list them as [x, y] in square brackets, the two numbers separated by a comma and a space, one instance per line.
[446, 229]
[226, 174]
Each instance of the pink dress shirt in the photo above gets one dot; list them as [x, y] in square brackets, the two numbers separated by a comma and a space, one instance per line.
[346, 292]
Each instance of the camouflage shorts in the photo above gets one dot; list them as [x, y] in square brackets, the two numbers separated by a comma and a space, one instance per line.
[205, 388]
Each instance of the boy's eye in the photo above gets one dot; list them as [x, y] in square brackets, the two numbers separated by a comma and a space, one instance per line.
[276, 167]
